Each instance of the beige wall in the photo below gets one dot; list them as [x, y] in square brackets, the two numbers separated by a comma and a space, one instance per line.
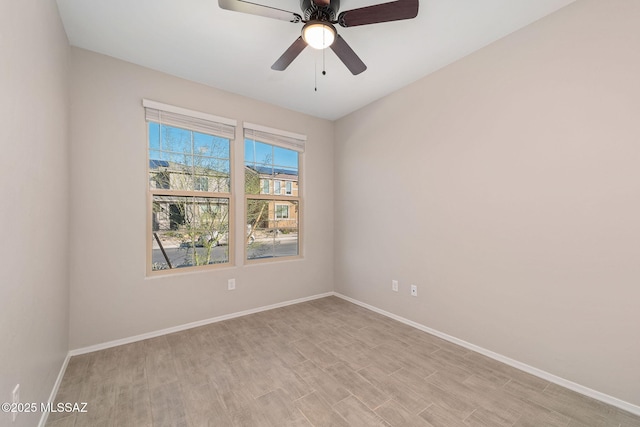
[507, 187]
[34, 285]
[110, 297]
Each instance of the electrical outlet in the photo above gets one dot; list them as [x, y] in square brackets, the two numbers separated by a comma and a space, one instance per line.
[231, 284]
[15, 399]
[414, 291]
[394, 285]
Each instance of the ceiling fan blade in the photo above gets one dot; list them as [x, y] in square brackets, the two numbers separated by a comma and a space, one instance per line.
[289, 55]
[348, 56]
[385, 12]
[258, 9]
[322, 2]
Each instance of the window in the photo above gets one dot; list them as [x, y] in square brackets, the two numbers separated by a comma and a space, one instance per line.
[273, 218]
[201, 183]
[282, 211]
[189, 187]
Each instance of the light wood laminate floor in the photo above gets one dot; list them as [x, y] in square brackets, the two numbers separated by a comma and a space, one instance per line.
[325, 362]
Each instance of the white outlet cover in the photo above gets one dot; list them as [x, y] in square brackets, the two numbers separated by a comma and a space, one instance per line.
[414, 290]
[231, 284]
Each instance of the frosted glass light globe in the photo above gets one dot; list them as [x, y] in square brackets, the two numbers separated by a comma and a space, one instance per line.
[319, 35]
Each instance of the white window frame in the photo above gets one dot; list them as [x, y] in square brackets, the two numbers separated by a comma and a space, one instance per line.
[291, 141]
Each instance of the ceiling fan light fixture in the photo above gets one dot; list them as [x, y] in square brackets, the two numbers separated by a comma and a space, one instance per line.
[318, 34]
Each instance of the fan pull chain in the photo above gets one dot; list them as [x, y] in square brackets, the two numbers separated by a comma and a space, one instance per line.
[315, 71]
[324, 71]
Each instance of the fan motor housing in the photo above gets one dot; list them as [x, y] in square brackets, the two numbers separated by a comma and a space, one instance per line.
[313, 11]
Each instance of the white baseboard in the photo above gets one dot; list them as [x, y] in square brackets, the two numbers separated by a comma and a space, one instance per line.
[613, 401]
[186, 326]
[56, 386]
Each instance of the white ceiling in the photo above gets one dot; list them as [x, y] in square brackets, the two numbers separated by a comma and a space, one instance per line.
[196, 40]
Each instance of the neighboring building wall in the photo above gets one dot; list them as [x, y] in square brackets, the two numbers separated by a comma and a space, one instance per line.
[283, 215]
[510, 196]
[34, 284]
[270, 183]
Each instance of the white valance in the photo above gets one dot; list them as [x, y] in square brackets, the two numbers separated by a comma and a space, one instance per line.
[189, 119]
[281, 138]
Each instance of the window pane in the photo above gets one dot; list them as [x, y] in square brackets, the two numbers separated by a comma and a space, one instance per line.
[177, 161]
[216, 171]
[191, 230]
[258, 152]
[212, 166]
[154, 136]
[159, 179]
[285, 158]
[180, 178]
[272, 228]
[210, 146]
[186, 160]
[252, 184]
[175, 140]
[270, 169]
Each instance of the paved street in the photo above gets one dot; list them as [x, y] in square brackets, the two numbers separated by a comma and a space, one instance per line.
[259, 249]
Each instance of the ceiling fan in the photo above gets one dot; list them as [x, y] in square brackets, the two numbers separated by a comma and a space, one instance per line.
[319, 32]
